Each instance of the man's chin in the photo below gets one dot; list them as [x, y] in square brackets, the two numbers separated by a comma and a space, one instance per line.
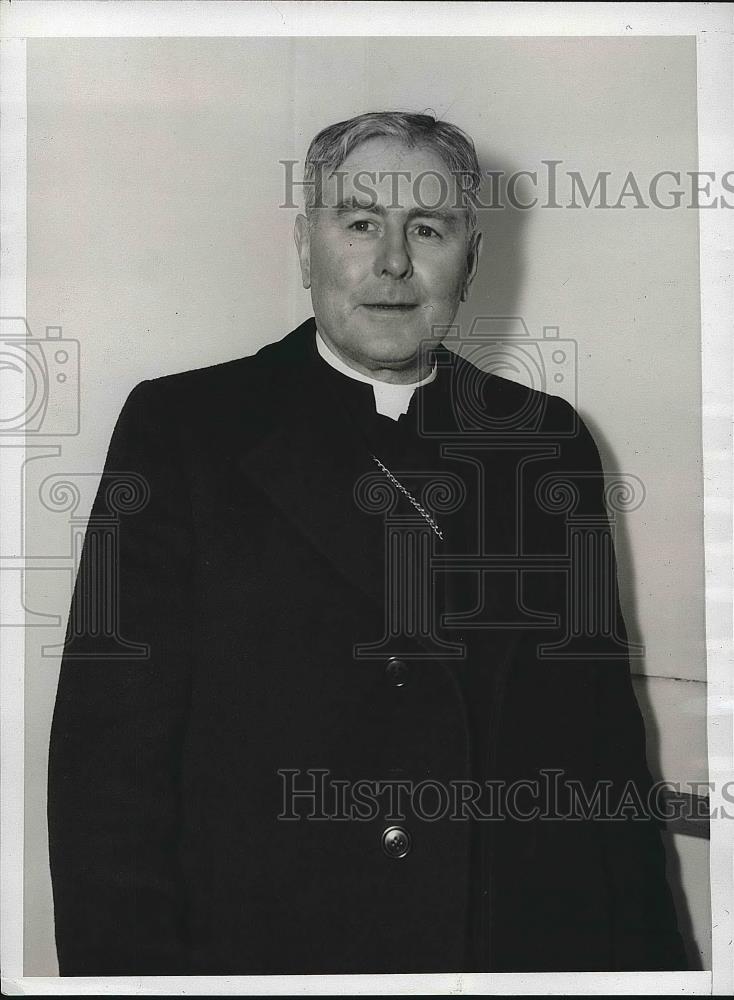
[404, 331]
[409, 328]
[393, 347]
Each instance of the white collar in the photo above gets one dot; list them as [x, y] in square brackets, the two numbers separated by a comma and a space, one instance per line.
[391, 399]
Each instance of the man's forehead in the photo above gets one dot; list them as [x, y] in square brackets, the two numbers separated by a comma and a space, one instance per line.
[389, 173]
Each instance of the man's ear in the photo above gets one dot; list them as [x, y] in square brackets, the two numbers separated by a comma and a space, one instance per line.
[472, 263]
[302, 236]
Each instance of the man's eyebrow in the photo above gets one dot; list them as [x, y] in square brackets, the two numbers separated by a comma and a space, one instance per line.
[450, 219]
[353, 204]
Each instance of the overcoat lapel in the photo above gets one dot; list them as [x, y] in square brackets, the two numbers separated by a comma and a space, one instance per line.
[309, 465]
[312, 460]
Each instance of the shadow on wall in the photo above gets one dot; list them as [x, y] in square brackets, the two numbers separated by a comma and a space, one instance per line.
[496, 292]
[673, 862]
[501, 272]
[628, 599]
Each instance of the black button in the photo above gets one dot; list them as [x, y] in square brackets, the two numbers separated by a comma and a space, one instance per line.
[396, 842]
[398, 671]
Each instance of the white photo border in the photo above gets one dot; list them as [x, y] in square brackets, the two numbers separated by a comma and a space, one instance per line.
[712, 25]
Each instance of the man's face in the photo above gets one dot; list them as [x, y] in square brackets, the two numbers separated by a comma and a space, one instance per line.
[388, 258]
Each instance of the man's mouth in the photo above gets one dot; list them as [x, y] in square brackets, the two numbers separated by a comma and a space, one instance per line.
[391, 306]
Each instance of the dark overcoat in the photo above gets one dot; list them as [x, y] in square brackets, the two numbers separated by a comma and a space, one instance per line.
[240, 630]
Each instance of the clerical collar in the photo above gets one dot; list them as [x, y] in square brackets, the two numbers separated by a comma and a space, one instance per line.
[391, 400]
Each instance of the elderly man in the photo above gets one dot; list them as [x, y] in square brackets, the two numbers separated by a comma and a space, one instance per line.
[346, 712]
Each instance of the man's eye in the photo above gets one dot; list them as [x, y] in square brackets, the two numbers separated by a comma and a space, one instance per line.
[428, 231]
[361, 225]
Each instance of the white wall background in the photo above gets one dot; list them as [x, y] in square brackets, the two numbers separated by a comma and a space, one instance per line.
[156, 240]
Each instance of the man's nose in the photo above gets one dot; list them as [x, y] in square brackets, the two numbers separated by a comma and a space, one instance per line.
[393, 257]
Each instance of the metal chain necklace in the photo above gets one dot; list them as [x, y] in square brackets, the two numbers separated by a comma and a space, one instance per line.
[421, 510]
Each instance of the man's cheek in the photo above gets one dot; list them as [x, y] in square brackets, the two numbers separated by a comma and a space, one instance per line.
[340, 267]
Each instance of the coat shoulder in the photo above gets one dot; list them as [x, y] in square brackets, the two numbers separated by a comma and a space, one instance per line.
[269, 362]
[244, 393]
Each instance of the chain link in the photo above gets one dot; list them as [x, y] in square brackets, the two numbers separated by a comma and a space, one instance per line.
[421, 510]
